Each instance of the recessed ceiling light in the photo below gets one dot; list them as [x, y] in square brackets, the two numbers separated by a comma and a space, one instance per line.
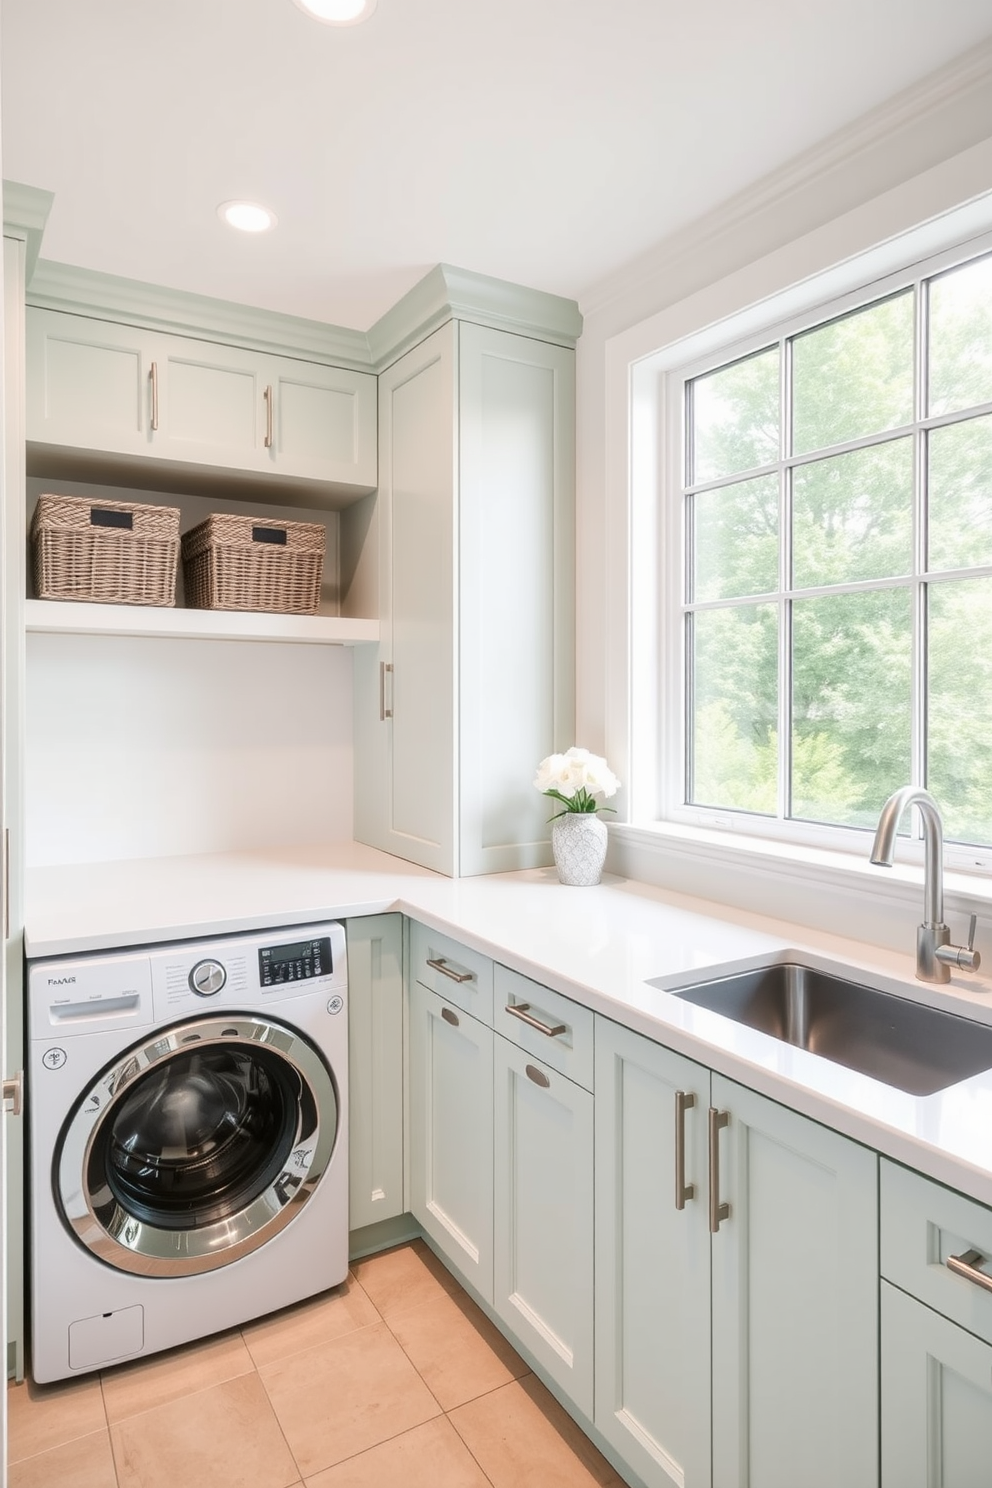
[246, 216]
[338, 12]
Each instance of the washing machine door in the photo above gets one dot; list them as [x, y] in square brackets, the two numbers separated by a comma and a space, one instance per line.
[197, 1146]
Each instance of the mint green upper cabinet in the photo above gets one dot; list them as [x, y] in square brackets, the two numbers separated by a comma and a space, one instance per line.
[88, 383]
[131, 392]
[472, 685]
[652, 1261]
[795, 1301]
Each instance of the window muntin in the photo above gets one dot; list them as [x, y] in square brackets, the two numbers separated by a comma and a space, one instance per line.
[837, 517]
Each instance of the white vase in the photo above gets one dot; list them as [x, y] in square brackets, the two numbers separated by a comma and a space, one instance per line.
[578, 841]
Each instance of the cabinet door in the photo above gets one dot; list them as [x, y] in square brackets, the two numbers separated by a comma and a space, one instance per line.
[88, 383]
[936, 1399]
[404, 693]
[323, 422]
[451, 1134]
[652, 1261]
[795, 1301]
[375, 1068]
[516, 441]
[543, 1264]
[210, 404]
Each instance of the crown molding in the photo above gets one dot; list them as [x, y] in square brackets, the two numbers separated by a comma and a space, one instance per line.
[444, 294]
[448, 293]
[947, 96]
[105, 296]
[25, 214]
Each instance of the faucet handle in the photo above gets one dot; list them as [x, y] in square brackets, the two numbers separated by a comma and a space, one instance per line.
[965, 958]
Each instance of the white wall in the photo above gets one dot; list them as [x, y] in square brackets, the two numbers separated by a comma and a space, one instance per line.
[140, 748]
[908, 162]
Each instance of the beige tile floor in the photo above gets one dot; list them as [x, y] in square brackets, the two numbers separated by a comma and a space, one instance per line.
[393, 1380]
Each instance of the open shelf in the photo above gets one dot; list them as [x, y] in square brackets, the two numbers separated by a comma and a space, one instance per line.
[51, 616]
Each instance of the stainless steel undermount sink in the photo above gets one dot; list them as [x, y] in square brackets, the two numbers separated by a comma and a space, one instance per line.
[905, 1044]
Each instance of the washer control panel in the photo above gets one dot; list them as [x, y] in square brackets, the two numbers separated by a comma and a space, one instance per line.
[130, 989]
[297, 961]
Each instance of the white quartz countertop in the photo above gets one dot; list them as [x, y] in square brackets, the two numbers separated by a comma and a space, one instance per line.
[599, 946]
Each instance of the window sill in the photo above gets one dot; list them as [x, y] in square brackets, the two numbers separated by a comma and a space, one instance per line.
[836, 892]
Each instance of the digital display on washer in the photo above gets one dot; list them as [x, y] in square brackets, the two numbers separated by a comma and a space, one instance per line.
[294, 962]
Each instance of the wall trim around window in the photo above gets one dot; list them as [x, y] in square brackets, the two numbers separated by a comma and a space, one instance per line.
[914, 220]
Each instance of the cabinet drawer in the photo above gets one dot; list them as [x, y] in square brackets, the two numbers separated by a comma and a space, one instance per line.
[565, 1038]
[924, 1227]
[454, 972]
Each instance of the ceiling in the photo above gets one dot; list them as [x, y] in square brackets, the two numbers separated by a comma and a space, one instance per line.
[542, 141]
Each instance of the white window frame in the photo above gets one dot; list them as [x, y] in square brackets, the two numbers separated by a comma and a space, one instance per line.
[673, 725]
[867, 248]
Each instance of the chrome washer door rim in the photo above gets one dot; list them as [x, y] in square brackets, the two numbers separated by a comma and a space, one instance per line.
[105, 1227]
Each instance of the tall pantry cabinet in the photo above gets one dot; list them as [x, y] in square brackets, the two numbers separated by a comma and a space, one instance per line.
[472, 683]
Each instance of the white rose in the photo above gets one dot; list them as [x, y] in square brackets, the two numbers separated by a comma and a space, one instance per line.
[550, 773]
[576, 770]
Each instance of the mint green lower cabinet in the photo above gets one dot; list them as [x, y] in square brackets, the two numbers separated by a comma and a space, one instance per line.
[746, 1357]
[936, 1399]
[652, 1262]
[795, 1302]
[375, 1068]
[451, 1137]
[543, 1180]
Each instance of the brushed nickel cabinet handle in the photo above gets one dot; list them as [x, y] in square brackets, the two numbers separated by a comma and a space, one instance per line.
[522, 1011]
[718, 1212]
[153, 379]
[269, 397]
[438, 963]
[967, 1266]
[684, 1101]
[538, 1076]
[385, 669]
[449, 1016]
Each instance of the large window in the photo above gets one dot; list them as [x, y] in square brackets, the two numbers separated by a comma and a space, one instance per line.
[837, 561]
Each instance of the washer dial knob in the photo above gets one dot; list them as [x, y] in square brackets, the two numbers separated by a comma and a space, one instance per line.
[206, 978]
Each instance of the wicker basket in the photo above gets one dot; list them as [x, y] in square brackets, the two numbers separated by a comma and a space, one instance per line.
[111, 552]
[247, 563]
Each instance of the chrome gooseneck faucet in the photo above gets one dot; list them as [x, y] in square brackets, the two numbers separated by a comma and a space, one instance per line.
[934, 953]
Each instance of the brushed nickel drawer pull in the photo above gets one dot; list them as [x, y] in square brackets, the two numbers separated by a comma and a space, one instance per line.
[385, 669]
[153, 379]
[538, 1076]
[718, 1212]
[449, 1016]
[522, 1011]
[967, 1266]
[684, 1101]
[268, 396]
[438, 963]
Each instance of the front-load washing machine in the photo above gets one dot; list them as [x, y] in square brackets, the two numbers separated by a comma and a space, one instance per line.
[188, 1140]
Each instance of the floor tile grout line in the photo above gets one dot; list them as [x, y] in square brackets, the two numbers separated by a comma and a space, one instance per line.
[310, 1347]
[72, 1442]
[465, 1444]
[275, 1416]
